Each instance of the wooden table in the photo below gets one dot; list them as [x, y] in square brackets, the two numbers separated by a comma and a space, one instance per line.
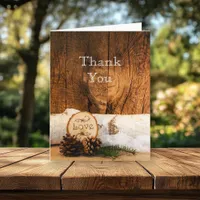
[171, 173]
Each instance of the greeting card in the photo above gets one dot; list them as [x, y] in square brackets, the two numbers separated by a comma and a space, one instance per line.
[100, 94]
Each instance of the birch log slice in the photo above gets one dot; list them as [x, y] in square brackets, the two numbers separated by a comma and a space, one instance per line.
[83, 124]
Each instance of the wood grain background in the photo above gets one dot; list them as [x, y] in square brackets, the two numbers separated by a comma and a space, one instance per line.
[129, 92]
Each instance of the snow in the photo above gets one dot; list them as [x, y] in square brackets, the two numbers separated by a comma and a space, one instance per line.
[134, 130]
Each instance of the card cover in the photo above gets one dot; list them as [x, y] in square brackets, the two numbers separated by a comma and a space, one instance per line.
[100, 95]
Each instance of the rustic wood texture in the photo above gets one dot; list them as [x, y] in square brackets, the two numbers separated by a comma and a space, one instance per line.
[193, 152]
[168, 169]
[129, 91]
[7, 150]
[106, 176]
[11, 156]
[96, 195]
[172, 169]
[35, 173]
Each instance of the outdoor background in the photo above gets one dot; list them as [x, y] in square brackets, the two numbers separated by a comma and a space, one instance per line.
[24, 64]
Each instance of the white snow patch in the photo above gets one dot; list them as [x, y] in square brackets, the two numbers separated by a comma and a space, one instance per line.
[134, 130]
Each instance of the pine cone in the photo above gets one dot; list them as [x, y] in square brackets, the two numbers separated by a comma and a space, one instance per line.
[70, 146]
[91, 145]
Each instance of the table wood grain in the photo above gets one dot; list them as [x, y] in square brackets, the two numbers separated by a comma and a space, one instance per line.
[106, 176]
[9, 157]
[168, 169]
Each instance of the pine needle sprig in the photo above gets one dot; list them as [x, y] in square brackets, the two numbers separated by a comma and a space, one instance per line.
[114, 151]
[108, 152]
[122, 148]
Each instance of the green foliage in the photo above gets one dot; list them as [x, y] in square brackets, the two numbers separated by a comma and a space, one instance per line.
[175, 55]
[41, 115]
[122, 148]
[176, 117]
[181, 105]
[7, 131]
[6, 71]
[114, 151]
[9, 103]
[168, 136]
[8, 136]
[37, 139]
[108, 152]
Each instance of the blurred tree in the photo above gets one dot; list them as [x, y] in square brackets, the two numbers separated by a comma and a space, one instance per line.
[42, 16]
[181, 13]
[28, 51]
[174, 62]
[30, 56]
[28, 29]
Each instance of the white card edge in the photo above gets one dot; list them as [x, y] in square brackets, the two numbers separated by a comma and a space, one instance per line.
[110, 28]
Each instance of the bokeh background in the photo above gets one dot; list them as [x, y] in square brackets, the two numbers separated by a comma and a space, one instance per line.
[24, 64]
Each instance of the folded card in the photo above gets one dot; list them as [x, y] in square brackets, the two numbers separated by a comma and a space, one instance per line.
[100, 93]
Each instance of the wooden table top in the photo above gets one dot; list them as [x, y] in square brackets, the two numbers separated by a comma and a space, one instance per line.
[30, 169]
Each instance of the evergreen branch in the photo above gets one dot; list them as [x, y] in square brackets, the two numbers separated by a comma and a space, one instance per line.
[121, 148]
[108, 152]
[114, 151]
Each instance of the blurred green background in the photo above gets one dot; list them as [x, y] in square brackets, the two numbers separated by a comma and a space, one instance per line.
[25, 64]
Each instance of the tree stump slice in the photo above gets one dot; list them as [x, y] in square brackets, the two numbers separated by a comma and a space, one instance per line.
[82, 125]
